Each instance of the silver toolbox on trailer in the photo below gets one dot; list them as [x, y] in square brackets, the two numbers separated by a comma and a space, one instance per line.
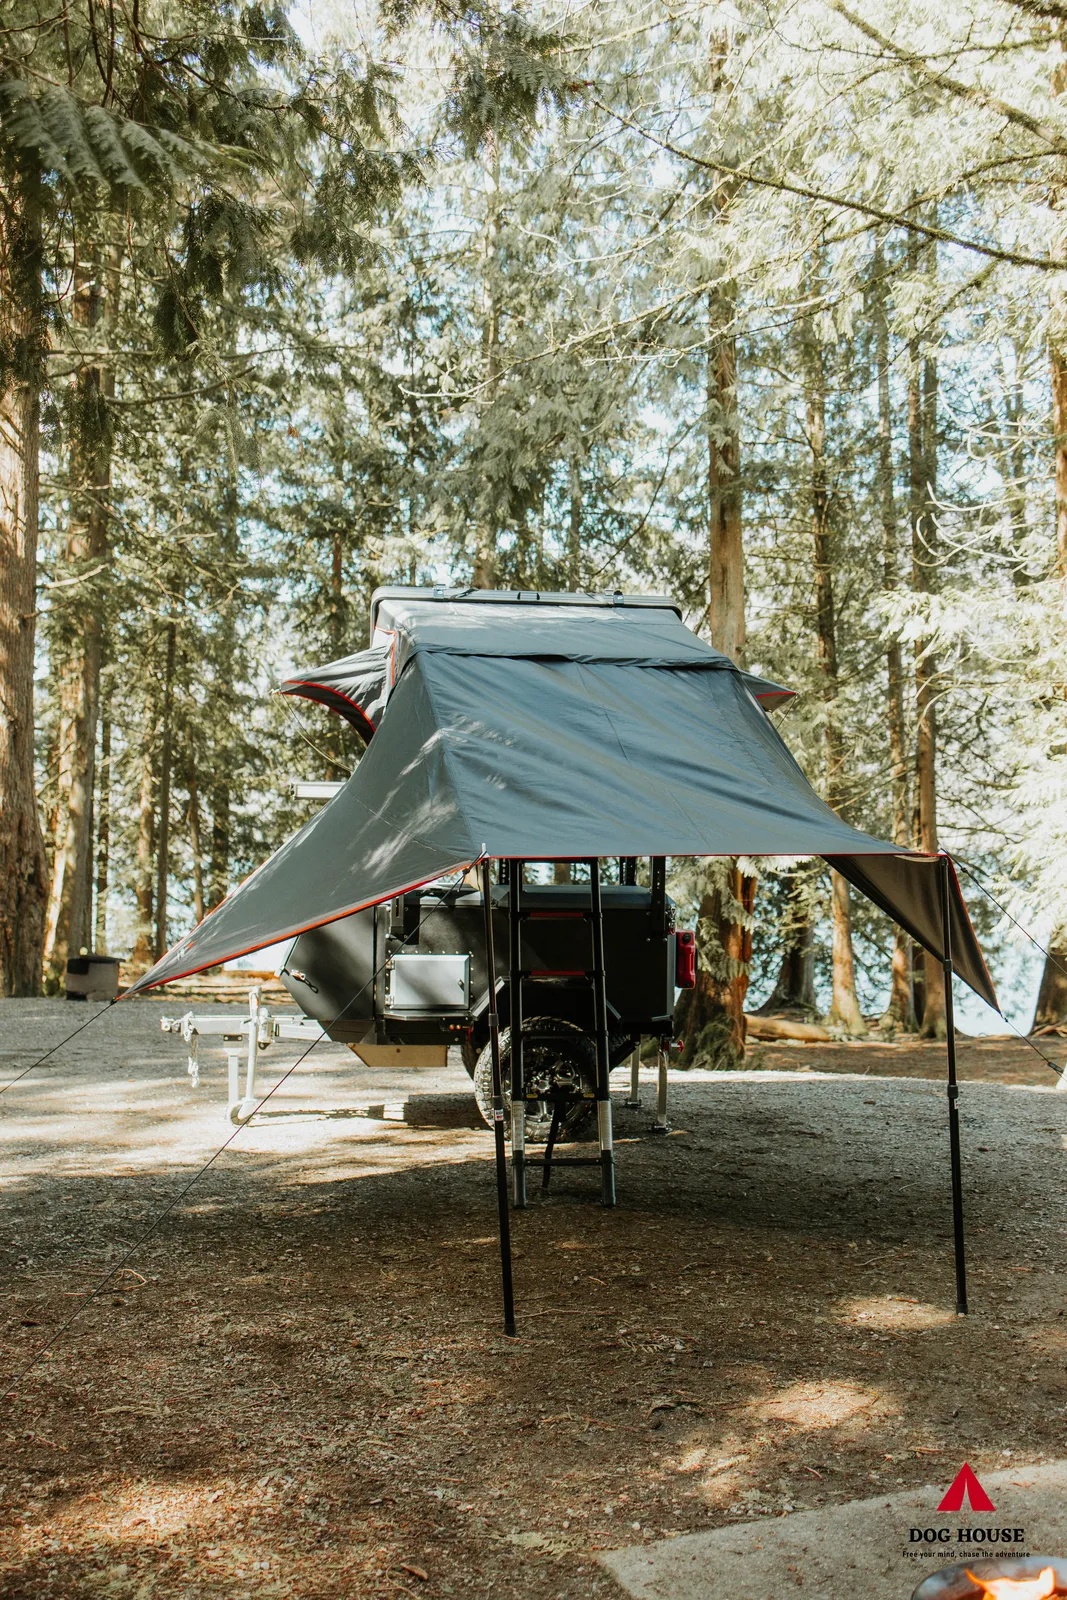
[429, 983]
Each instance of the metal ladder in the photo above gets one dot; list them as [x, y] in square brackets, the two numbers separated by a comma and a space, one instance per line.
[596, 978]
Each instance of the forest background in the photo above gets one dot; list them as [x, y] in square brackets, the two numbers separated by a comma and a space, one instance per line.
[763, 306]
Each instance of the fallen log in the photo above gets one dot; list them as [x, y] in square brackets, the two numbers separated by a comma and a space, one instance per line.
[786, 1028]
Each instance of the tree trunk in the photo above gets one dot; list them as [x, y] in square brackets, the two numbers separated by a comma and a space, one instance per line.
[900, 1012]
[844, 1007]
[23, 872]
[78, 636]
[337, 593]
[103, 830]
[1014, 466]
[224, 722]
[710, 1017]
[220, 839]
[143, 945]
[333, 745]
[1051, 1009]
[48, 812]
[165, 759]
[574, 530]
[194, 842]
[485, 555]
[922, 465]
[794, 991]
[726, 565]
[484, 576]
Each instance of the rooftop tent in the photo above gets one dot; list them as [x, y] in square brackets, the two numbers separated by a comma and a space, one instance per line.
[356, 687]
[551, 726]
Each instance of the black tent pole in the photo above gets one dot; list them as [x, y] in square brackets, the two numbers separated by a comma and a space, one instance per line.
[944, 869]
[603, 1043]
[503, 1213]
[515, 1034]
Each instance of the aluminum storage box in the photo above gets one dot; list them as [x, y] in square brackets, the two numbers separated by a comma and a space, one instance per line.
[429, 983]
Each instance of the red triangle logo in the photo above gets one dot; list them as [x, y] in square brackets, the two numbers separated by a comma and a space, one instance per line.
[966, 1484]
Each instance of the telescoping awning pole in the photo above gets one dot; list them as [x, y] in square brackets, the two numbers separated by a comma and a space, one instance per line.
[944, 869]
[503, 1214]
[516, 1033]
[603, 1045]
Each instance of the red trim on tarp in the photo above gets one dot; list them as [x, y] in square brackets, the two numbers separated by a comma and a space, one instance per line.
[350, 911]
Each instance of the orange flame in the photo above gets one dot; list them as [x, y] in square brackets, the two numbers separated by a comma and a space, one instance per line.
[1038, 1588]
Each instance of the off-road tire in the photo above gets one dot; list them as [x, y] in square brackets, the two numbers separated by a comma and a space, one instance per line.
[582, 1050]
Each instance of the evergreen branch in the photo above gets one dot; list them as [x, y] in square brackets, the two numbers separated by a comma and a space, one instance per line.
[893, 219]
[38, 25]
[178, 394]
[964, 91]
[79, 577]
[87, 146]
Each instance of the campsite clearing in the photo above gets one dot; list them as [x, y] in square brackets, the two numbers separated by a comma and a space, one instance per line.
[298, 1387]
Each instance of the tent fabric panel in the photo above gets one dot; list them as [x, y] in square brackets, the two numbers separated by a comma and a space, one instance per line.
[355, 686]
[571, 760]
[322, 694]
[649, 635]
[907, 888]
[396, 823]
[770, 695]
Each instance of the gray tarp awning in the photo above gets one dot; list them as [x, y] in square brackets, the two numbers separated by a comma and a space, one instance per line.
[543, 736]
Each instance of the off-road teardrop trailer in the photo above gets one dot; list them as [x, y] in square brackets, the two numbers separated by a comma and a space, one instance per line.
[420, 962]
[514, 727]
[401, 982]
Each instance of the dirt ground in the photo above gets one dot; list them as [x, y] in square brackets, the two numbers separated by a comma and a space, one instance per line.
[298, 1387]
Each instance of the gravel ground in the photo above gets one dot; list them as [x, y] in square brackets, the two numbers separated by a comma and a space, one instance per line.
[297, 1386]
